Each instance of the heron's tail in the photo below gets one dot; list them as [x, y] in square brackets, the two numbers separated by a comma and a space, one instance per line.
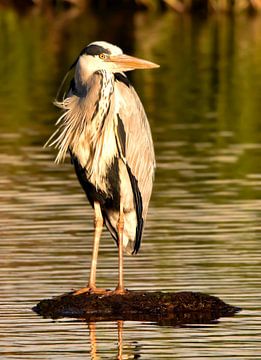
[132, 229]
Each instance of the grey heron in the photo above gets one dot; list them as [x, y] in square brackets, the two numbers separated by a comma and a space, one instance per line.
[105, 129]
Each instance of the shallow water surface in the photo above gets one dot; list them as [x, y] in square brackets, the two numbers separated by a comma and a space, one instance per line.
[203, 228]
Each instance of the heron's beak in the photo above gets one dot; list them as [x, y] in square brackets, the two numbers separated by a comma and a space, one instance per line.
[126, 63]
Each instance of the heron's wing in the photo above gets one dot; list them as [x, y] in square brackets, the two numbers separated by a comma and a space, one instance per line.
[136, 144]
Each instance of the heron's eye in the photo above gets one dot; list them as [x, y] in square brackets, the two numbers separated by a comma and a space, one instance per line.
[102, 56]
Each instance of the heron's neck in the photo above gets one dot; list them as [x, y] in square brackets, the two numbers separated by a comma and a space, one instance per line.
[103, 102]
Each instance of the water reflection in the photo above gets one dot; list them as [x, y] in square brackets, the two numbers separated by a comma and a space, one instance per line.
[94, 344]
[203, 231]
[132, 352]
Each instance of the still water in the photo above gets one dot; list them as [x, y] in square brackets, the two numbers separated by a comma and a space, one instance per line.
[203, 229]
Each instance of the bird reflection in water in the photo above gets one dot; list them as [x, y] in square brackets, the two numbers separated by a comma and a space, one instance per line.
[133, 353]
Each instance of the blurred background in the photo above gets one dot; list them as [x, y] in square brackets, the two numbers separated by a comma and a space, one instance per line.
[203, 228]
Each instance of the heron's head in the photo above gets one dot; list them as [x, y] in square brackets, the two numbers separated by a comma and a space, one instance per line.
[101, 55]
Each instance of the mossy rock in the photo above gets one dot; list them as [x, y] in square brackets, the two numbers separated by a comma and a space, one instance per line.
[162, 308]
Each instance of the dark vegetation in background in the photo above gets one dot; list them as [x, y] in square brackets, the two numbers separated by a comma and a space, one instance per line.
[180, 6]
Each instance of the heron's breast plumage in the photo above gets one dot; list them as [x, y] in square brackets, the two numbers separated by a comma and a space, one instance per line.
[97, 159]
[86, 128]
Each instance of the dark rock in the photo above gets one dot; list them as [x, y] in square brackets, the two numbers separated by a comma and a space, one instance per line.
[163, 308]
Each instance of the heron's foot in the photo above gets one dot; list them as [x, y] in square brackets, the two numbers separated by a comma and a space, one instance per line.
[90, 290]
[118, 291]
[100, 291]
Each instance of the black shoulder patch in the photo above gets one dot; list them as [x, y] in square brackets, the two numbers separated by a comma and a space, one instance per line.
[121, 135]
[72, 87]
[139, 208]
[122, 78]
[94, 50]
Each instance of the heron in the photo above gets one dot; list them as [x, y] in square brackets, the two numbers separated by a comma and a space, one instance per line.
[105, 130]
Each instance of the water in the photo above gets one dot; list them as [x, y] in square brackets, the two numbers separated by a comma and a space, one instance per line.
[203, 229]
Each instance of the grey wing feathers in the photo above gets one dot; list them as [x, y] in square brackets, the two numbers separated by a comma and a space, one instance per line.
[139, 151]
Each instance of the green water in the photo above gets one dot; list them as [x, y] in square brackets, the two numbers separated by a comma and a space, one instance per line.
[203, 229]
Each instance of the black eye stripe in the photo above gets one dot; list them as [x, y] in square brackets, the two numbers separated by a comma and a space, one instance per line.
[94, 50]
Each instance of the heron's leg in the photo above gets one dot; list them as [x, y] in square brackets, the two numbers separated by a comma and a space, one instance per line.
[92, 331]
[120, 288]
[120, 339]
[98, 224]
